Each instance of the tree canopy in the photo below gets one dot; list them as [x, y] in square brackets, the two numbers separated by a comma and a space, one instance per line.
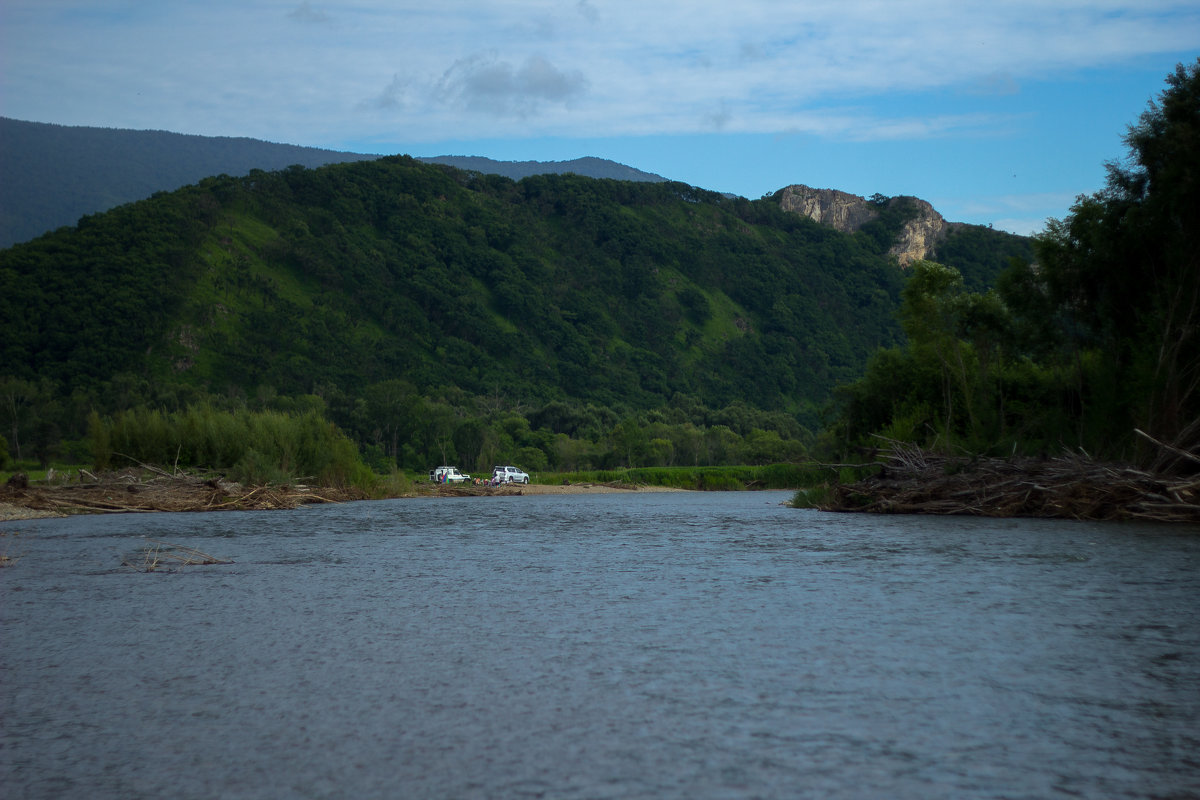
[1096, 338]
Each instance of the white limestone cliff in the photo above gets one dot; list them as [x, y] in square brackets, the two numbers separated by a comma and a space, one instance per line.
[848, 213]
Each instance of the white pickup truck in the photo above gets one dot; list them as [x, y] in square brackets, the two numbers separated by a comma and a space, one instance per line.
[447, 475]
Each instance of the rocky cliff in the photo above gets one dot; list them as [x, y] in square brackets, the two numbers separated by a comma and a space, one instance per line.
[847, 212]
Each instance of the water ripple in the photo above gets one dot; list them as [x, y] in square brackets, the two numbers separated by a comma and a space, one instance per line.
[619, 646]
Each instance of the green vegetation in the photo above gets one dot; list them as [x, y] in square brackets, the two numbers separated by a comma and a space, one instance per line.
[253, 448]
[438, 316]
[1099, 338]
[382, 317]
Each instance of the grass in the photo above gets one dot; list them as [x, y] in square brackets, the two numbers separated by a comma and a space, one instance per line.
[812, 496]
[394, 484]
[37, 474]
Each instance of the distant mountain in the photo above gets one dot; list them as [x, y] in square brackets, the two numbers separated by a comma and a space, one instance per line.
[589, 167]
[51, 175]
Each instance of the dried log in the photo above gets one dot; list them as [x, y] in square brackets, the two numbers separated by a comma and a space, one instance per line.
[1170, 448]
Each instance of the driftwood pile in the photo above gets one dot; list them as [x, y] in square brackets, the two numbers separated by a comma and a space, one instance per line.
[1073, 486]
[148, 488]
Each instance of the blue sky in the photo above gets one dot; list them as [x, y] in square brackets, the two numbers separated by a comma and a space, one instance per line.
[998, 112]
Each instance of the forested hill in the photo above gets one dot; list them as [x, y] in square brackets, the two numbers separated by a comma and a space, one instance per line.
[54, 174]
[51, 175]
[589, 166]
[617, 294]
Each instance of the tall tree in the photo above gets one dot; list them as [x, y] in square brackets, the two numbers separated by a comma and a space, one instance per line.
[1125, 265]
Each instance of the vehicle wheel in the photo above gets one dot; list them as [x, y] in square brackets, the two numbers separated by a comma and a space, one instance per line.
[525, 480]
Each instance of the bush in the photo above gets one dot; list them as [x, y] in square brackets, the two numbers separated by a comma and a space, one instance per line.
[254, 447]
[255, 469]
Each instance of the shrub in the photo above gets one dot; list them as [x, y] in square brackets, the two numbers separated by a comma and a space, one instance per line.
[255, 447]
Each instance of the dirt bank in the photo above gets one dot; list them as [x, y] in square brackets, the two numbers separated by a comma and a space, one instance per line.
[148, 489]
[518, 489]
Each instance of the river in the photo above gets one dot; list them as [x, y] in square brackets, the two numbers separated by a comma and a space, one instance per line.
[652, 645]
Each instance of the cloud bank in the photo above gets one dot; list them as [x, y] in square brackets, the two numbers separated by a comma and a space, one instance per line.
[542, 67]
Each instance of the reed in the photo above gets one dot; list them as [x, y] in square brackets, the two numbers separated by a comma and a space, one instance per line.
[259, 448]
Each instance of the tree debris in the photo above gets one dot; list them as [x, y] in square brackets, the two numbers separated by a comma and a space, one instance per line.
[914, 481]
[142, 490]
[157, 555]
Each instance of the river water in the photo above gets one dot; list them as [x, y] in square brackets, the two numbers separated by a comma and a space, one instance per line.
[655, 645]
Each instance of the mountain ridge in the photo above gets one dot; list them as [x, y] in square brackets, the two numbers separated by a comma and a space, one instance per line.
[52, 175]
[589, 166]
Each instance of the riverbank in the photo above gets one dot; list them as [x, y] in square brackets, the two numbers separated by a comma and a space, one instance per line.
[518, 489]
[146, 490]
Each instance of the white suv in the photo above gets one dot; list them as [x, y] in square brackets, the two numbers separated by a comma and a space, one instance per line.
[447, 475]
[509, 475]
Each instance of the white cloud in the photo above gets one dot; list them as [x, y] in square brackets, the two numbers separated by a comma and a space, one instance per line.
[542, 67]
[1022, 227]
[487, 83]
[1018, 203]
[307, 14]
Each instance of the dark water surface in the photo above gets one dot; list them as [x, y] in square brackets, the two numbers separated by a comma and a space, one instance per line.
[648, 645]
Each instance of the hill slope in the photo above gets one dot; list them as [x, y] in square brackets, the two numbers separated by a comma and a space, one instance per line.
[54, 174]
[392, 278]
[51, 175]
[557, 286]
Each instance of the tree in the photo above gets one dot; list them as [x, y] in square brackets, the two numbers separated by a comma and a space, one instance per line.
[1125, 265]
[931, 314]
[471, 438]
[390, 407]
[16, 398]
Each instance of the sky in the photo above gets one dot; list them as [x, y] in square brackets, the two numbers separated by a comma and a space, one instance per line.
[999, 112]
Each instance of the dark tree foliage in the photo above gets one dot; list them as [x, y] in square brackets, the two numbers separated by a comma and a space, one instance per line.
[1125, 266]
[1099, 337]
[981, 254]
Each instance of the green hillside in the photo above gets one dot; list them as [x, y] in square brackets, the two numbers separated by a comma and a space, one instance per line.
[54, 174]
[474, 294]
